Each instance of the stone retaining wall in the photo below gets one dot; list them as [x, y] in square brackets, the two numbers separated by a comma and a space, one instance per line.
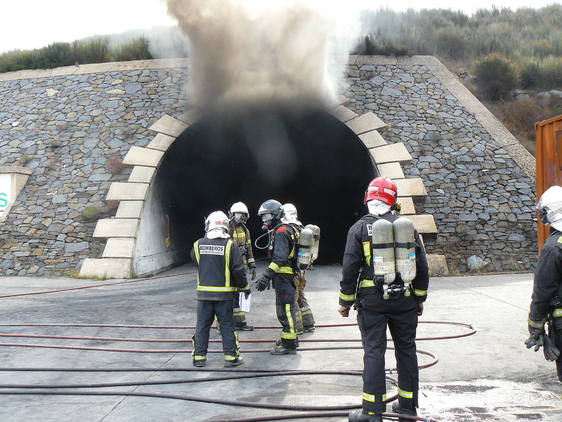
[72, 126]
[480, 188]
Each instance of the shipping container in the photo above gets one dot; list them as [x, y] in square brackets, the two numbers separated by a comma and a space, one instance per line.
[549, 162]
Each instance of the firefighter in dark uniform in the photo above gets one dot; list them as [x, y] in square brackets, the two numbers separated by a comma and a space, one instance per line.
[546, 303]
[220, 276]
[400, 311]
[281, 272]
[304, 316]
[241, 236]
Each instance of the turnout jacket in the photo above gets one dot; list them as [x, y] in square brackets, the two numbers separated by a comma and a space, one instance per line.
[358, 271]
[548, 279]
[284, 254]
[241, 236]
[220, 269]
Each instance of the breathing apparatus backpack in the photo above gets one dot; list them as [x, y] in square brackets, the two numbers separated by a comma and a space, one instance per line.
[393, 253]
[308, 245]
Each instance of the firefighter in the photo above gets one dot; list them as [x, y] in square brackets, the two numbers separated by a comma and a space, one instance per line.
[220, 275]
[281, 271]
[303, 313]
[546, 302]
[241, 236]
[375, 310]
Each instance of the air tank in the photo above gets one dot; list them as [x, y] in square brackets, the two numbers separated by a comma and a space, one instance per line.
[316, 231]
[383, 250]
[405, 250]
[305, 247]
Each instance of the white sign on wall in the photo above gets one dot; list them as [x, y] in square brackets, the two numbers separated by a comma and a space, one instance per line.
[5, 192]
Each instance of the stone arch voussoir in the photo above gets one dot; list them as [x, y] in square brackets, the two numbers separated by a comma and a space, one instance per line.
[122, 231]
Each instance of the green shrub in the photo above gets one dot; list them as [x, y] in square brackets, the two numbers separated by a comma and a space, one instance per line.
[552, 73]
[95, 51]
[136, 49]
[496, 76]
[530, 75]
[542, 75]
[54, 55]
[383, 48]
[16, 60]
[450, 42]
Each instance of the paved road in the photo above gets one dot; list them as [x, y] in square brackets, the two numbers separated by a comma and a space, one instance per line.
[489, 376]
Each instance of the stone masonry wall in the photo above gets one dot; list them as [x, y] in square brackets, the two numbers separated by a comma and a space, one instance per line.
[481, 199]
[73, 126]
[73, 132]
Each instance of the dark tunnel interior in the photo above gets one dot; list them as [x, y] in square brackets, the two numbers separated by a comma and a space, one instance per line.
[303, 156]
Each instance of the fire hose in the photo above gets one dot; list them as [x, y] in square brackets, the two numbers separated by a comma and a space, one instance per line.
[311, 411]
[327, 411]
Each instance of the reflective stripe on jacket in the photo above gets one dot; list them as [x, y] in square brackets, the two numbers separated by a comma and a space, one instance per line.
[284, 255]
[548, 277]
[241, 237]
[357, 269]
[220, 269]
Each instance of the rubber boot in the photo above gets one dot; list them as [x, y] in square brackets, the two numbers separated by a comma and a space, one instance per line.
[243, 326]
[199, 363]
[232, 363]
[359, 416]
[280, 349]
[396, 408]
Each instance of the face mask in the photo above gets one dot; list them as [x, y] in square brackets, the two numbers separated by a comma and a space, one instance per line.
[267, 220]
[240, 217]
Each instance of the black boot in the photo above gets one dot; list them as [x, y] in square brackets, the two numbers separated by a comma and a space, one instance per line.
[280, 349]
[396, 408]
[359, 416]
[243, 326]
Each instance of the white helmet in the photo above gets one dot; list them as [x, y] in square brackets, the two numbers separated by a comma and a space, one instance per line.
[550, 207]
[239, 208]
[290, 214]
[216, 220]
[290, 211]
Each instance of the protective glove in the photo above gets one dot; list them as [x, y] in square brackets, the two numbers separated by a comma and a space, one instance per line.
[551, 352]
[264, 282]
[246, 291]
[344, 311]
[253, 273]
[419, 310]
[536, 338]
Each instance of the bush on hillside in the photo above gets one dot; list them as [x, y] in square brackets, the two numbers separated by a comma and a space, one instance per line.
[450, 42]
[496, 75]
[95, 51]
[54, 55]
[542, 75]
[136, 49]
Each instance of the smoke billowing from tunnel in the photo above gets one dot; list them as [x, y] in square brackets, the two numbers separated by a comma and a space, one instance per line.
[247, 51]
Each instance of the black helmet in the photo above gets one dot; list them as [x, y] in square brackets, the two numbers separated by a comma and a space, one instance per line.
[275, 209]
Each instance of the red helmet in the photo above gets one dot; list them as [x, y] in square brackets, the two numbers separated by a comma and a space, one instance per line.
[383, 189]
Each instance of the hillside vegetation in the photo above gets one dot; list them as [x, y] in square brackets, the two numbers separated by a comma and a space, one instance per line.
[97, 50]
[495, 52]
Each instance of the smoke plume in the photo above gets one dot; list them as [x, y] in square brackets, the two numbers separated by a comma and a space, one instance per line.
[259, 50]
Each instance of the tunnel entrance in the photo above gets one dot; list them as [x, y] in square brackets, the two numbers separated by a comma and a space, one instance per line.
[304, 156]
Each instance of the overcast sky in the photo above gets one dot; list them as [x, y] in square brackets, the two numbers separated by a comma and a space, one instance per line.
[26, 24]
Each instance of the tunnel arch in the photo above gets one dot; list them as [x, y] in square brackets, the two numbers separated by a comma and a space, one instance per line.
[155, 224]
[308, 158]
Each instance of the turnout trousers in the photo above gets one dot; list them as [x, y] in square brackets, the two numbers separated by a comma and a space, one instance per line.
[239, 316]
[206, 312]
[305, 319]
[556, 335]
[374, 315]
[285, 308]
